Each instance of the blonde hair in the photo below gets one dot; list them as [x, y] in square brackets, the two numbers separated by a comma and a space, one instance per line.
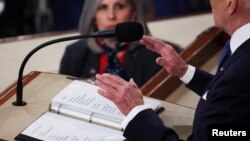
[87, 26]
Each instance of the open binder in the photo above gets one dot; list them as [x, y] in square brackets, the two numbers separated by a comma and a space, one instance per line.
[79, 113]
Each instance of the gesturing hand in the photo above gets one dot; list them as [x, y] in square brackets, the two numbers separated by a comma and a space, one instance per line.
[169, 59]
[126, 95]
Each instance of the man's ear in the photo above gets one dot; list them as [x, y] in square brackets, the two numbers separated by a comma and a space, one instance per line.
[232, 6]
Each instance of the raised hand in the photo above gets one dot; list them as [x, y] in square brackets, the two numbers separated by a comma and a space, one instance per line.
[169, 59]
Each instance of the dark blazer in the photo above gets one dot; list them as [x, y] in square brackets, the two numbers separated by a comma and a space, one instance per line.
[227, 103]
[78, 60]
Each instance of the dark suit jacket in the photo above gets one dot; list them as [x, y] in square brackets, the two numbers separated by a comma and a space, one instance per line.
[80, 61]
[227, 104]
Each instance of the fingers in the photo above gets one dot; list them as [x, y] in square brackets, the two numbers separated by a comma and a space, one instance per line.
[108, 88]
[169, 59]
[148, 40]
[126, 95]
[137, 93]
[114, 85]
[111, 84]
[149, 43]
[132, 83]
[152, 44]
[114, 78]
[105, 94]
[162, 62]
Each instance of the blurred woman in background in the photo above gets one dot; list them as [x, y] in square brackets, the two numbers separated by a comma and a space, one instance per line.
[85, 58]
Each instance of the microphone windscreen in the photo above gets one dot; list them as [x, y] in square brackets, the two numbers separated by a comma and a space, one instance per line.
[129, 31]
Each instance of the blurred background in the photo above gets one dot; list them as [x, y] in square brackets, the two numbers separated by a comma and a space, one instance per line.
[24, 17]
[43, 20]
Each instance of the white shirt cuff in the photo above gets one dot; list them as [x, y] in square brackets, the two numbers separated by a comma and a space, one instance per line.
[133, 113]
[188, 76]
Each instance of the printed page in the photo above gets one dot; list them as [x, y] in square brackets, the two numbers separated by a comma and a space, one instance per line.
[54, 127]
[82, 95]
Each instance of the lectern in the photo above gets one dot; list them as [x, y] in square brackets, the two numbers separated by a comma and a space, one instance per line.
[41, 87]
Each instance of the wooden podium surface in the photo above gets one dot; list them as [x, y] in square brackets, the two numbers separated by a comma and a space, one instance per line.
[41, 87]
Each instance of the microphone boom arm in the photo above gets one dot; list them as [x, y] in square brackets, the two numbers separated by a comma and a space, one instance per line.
[19, 88]
[124, 32]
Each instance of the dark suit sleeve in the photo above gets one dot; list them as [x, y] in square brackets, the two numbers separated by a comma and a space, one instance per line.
[147, 126]
[199, 82]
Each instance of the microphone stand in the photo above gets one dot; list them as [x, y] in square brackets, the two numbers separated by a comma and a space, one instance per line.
[122, 32]
[19, 91]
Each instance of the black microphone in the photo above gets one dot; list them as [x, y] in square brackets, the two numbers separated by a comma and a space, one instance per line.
[123, 32]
